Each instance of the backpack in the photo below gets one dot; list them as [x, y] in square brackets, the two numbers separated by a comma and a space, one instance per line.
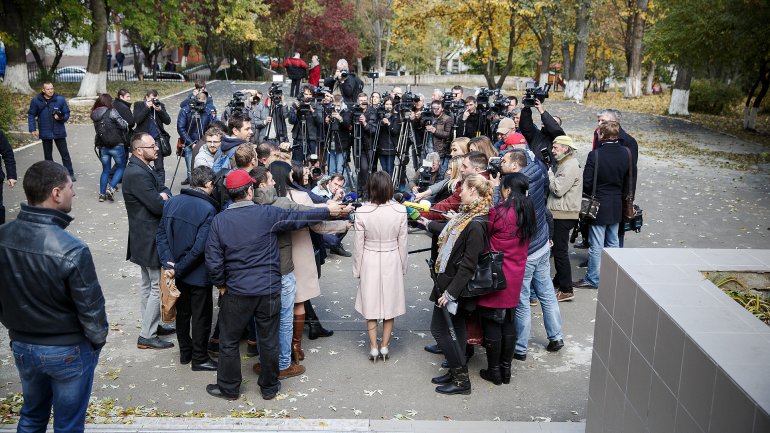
[359, 86]
[108, 134]
[222, 160]
[220, 190]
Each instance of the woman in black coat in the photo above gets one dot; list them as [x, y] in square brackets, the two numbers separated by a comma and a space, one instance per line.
[460, 243]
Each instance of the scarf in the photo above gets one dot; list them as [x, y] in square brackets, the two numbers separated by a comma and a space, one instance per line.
[455, 226]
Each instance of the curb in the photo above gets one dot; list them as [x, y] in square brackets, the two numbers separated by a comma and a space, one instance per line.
[227, 424]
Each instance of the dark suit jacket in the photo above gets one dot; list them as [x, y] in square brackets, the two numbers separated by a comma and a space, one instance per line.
[630, 142]
[144, 206]
[611, 180]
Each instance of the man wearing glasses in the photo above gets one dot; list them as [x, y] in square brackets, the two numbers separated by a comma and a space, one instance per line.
[208, 151]
[144, 195]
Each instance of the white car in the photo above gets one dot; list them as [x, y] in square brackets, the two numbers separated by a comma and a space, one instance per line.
[70, 74]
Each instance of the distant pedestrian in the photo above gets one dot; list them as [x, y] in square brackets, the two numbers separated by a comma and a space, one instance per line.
[314, 75]
[51, 303]
[120, 58]
[48, 112]
[110, 139]
[296, 70]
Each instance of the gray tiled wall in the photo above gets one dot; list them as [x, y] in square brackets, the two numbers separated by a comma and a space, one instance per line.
[672, 353]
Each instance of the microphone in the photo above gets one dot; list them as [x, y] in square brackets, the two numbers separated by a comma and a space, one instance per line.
[417, 206]
[349, 197]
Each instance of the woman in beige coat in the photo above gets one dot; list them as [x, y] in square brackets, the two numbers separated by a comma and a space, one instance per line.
[303, 255]
[379, 261]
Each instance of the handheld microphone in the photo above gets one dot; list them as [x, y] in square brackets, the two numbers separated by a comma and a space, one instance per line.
[350, 197]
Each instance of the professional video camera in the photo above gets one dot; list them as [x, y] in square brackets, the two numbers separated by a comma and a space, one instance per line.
[490, 100]
[450, 104]
[532, 93]
[357, 110]
[275, 92]
[238, 103]
[406, 102]
[320, 93]
[494, 167]
[197, 105]
[425, 173]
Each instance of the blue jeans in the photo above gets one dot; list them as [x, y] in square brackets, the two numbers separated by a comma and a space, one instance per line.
[537, 277]
[58, 376]
[106, 154]
[188, 159]
[336, 162]
[599, 236]
[288, 291]
[387, 163]
[444, 166]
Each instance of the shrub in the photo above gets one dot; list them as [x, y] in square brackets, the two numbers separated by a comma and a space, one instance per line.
[713, 97]
[7, 113]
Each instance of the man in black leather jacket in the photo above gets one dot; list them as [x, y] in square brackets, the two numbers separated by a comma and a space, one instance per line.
[51, 303]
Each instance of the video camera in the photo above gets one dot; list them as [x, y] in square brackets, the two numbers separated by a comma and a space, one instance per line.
[358, 110]
[407, 102]
[425, 173]
[197, 105]
[450, 104]
[494, 167]
[276, 92]
[490, 100]
[320, 93]
[532, 93]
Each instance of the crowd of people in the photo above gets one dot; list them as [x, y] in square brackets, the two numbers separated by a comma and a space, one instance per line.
[259, 215]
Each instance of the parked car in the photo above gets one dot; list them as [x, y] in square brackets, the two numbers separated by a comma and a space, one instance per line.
[70, 74]
[166, 76]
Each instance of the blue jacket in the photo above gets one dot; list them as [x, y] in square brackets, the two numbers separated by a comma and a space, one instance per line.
[182, 235]
[42, 110]
[538, 189]
[184, 124]
[242, 248]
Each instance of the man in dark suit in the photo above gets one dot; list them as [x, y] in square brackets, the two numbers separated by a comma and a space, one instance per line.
[607, 169]
[144, 195]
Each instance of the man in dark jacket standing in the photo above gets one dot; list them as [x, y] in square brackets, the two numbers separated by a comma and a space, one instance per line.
[48, 112]
[182, 235]
[150, 115]
[539, 139]
[243, 261]
[6, 153]
[608, 165]
[51, 303]
[144, 195]
[191, 124]
[345, 83]
[296, 70]
[307, 118]
[440, 129]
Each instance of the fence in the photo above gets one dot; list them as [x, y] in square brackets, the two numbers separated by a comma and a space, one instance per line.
[75, 74]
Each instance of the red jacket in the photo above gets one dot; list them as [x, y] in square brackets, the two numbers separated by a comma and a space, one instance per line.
[315, 76]
[502, 229]
[295, 68]
[453, 202]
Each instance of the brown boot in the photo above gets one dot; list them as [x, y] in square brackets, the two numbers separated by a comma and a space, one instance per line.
[297, 354]
[291, 371]
[257, 368]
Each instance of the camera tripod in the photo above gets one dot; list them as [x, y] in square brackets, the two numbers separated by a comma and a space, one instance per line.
[276, 114]
[301, 136]
[195, 121]
[405, 136]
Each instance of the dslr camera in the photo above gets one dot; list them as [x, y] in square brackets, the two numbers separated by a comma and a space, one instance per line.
[57, 114]
[532, 93]
[275, 92]
[494, 167]
[344, 74]
[156, 102]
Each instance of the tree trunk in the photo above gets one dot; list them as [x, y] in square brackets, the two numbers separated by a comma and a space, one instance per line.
[650, 79]
[387, 52]
[95, 80]
[634, 78]
[16, 73]
[566, 61]
[185, 54]
[546, 51]
[680, 96]
[750, 113]
[576, 82]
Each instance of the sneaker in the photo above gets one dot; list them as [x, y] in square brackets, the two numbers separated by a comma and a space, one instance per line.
[74, 179]
[533, 302]
[110, 193]
[102, 197]
[583, 284]
[564, 296]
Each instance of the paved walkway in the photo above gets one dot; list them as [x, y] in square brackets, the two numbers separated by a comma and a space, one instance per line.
[690, 200]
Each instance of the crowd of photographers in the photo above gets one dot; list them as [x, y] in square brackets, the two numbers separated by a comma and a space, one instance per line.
[486, 181]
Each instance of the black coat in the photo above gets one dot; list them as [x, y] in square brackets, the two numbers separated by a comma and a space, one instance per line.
[629, 142]
[144, 206]
[124, 109]
[6, 154]
[388, 137]
[611, 180]
[348, 88]
[538, 139]
[143, 116]
[463, 260]
[472, 126]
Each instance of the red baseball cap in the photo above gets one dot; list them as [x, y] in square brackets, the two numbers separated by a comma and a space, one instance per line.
[237, 179]
[513, 139]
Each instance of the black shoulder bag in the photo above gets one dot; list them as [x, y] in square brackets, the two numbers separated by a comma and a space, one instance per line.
[489, 275]
[589, 206]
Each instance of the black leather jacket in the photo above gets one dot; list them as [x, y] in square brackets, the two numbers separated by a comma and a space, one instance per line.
[49, 292]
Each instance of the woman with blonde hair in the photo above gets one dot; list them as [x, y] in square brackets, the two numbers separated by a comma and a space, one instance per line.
[484, 145]
[459, 146]
[379, 261]
[460, 243]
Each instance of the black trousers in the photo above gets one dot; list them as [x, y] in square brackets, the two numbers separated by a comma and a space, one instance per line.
[440, 330]
[561, 232]
[2, 206]
[195, 307]
[363, 174]
[160, 169]
[295, 85]
[61, 145]
[496, 331]
[235, 312]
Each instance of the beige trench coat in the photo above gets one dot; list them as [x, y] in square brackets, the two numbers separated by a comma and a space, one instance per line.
[379, 260]
[305, 270]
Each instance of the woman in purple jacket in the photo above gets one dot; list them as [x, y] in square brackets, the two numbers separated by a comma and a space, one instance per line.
[511, 226]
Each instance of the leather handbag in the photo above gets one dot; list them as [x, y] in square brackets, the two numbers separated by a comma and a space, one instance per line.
[164, 145]
[628, 199]
[489, 275]
[589, 205]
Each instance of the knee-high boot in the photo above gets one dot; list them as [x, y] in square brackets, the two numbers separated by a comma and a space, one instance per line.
[492, 372]
[506, 356]
[297, 354]
[316, 330]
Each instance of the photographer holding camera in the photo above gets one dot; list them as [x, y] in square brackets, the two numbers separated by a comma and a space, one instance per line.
[307, 119]
[539, 139]
[193, 120]
[472, 124]
[259, 112]
[150, 116]
[440, 128]
[345, 83]
[48, 112]
[387, 126]
[338, 121]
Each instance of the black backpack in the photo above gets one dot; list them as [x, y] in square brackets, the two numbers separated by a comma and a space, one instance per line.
[108, 133]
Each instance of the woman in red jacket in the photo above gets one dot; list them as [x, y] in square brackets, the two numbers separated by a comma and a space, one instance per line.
[511, 226]
[314, 76]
